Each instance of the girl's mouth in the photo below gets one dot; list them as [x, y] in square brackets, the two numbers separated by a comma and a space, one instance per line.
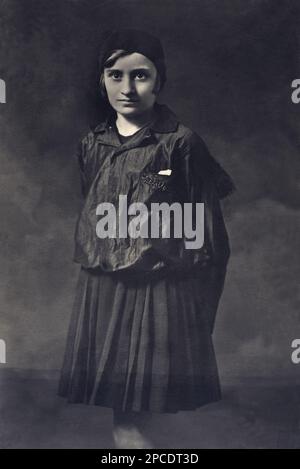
[129, 103]
[128, 100]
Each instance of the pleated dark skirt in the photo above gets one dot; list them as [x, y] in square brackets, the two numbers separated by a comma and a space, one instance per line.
[140, 343]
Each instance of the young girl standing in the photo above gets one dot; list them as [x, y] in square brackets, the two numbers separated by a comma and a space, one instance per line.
[139, 339]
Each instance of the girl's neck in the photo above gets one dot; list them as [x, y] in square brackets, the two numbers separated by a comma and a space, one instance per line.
[128, 126]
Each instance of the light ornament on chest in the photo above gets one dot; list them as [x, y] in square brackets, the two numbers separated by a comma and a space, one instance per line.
[165, 172]
[153, 179]
[182, 217]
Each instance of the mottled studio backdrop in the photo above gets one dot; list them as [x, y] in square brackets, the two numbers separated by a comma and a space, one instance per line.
[230, 66]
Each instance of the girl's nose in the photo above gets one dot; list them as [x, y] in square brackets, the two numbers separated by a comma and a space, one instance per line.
[127, 86]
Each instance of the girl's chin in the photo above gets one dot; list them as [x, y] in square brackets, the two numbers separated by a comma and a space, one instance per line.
[128, 111]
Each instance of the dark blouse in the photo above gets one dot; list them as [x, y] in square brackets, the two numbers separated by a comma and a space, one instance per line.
[109, 168]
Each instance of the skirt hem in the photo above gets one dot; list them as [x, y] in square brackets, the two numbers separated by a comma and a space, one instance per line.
[145, 347]
[152, 409]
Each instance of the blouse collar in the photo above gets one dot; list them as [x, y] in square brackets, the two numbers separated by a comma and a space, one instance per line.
[164, 122]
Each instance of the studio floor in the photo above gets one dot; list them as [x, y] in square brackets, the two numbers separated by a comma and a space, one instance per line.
[253, 413]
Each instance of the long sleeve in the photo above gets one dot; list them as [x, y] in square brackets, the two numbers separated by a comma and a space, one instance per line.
[207, 182]
[200, 165]
[80, 162]
[204, 180]
[220, 248]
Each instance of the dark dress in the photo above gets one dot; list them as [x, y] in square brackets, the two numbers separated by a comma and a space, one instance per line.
[140, 343]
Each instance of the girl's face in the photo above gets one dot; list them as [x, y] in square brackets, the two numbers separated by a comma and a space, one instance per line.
[129, 84]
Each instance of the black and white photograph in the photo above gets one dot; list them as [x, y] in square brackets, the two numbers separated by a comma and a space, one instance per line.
[149, 225]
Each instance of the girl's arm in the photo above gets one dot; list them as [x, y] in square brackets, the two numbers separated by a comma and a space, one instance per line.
[79, 156]
[206, 181]
[199, 163]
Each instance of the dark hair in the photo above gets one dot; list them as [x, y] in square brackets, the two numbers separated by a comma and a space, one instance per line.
[115, 55]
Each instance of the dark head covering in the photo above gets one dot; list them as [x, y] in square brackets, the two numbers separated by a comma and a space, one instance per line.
[134, 40]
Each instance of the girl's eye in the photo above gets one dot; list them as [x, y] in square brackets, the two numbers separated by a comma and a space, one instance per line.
[115, 75]
[141, 75]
